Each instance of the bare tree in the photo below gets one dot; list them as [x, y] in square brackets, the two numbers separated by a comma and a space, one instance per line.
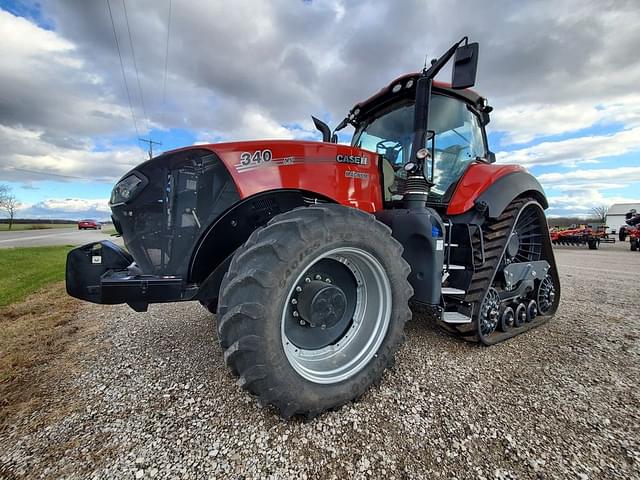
[4, 193]
[9, 203]
[600, 213]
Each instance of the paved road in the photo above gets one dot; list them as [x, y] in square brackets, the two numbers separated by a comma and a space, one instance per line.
[54, 236]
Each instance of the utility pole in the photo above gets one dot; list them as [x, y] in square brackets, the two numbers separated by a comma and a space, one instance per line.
[151, 144]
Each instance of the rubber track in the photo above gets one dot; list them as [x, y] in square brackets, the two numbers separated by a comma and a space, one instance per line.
[496, 235]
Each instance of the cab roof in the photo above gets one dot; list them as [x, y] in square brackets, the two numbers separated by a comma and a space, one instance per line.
[405, 87]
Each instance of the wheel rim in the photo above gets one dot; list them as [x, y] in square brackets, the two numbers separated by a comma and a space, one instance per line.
[546, 295]
[490, 312]
[525, 242]
[364, 332]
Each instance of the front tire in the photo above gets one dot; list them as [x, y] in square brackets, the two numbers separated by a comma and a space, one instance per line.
[313, 308]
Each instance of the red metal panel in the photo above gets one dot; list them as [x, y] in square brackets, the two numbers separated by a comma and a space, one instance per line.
[347, 175]
[477, 178]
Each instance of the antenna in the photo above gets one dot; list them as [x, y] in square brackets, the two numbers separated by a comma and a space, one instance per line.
[151, 144]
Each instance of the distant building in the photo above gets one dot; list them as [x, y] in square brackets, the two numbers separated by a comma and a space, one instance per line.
[617, 212]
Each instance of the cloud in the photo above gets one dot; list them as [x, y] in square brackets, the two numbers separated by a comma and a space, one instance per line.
[46, 86]
[583, 202]
[67, 209]
[252, 69]
[573, 151]
[627, 174]
[526, 122]
[296, 58]
[579, 191]
[28, 156]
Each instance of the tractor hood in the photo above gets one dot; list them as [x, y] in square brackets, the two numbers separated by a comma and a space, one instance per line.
[164, 206]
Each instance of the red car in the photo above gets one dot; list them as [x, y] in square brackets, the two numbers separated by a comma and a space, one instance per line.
[85, 224]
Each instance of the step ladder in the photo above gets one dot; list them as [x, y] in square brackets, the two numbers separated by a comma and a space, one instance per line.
[455, 317]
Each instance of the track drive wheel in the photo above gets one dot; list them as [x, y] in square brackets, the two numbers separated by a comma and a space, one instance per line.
[313, 308]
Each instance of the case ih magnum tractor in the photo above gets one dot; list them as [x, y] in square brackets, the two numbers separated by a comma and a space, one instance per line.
[310, 252]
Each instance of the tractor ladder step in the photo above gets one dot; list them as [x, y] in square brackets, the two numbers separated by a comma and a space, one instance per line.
[452, 291]
[455, 317]
[453, 267]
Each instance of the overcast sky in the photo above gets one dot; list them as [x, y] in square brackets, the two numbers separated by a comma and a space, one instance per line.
[563, 77]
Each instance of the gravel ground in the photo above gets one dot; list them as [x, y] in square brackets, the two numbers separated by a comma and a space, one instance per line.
[153, 399]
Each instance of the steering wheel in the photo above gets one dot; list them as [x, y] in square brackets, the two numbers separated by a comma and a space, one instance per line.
[391, 149]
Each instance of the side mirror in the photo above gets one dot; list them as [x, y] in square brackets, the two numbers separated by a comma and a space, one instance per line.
[491, 157]
[323, 128]
[465, 66]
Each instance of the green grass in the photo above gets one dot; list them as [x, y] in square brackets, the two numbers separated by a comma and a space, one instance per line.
[25, 270]
[34, 226]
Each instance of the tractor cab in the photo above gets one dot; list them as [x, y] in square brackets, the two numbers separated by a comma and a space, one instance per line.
[384, 124]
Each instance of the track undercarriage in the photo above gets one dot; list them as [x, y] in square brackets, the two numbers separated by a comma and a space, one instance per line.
[504, 280]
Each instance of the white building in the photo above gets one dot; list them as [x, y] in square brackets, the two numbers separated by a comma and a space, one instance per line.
[616, 215]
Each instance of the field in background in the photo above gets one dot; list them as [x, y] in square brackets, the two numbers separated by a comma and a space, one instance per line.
[26, 270]
[34, 226]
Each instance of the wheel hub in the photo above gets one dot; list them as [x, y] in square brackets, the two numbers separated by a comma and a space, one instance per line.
[322, 304]
[513, 245]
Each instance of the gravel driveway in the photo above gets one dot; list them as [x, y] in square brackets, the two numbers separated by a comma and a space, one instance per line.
[153, 399]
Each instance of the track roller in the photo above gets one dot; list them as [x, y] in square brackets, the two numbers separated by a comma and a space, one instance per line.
[520, 314]
[507, 319]
[532, 310]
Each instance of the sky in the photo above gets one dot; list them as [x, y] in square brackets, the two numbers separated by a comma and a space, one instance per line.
[562, 77]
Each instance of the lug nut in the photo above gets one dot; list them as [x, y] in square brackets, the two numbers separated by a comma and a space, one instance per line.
[323, 326]
[327, 280]
[302, 322]
[318, 277]
[295, 314]
[294, 301]
[307, 280]
[298, 289]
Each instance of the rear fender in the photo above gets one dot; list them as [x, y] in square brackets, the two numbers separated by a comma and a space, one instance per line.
[500, 194]
[490, 188]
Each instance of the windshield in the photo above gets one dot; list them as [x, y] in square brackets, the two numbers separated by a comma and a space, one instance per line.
[458, 139]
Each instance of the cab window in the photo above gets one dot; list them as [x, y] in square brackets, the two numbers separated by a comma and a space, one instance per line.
[458, 140]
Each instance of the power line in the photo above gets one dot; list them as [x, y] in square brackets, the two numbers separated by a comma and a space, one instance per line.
[166, 63]
[50, 174]
[124, 77]
[135, 64]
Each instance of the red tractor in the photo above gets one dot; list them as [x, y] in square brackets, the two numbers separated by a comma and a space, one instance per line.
[632, 231]
[311, 253]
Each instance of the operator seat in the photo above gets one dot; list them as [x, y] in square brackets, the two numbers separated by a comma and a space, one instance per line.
[388, 178]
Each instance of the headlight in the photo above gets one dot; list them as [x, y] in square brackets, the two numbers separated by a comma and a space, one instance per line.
[125, 189]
